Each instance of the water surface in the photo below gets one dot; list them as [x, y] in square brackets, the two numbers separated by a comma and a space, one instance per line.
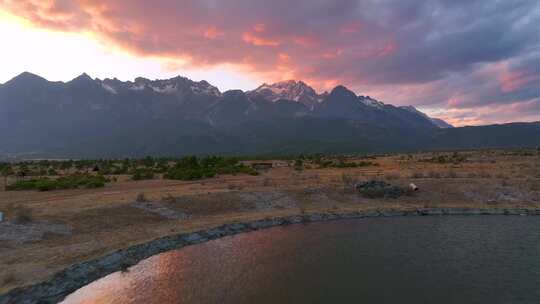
[453, 259]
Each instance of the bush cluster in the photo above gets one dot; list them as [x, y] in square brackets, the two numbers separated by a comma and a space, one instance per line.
[454, 158]
[193, 168]
[142, 173]
[66, 182]
[344, 164]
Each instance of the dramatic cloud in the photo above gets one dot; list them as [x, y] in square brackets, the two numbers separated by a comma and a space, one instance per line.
[467, 61]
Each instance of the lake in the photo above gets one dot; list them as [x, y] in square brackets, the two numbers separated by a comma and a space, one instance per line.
[448, 259]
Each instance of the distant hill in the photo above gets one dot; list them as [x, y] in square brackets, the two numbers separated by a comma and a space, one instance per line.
[89, 117]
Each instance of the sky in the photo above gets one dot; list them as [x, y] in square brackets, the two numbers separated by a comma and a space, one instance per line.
[469, 62]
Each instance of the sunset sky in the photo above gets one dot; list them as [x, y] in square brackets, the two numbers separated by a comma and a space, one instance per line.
[468, 62]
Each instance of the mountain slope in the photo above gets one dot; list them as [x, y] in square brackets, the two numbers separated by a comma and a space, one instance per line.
[440, 123]
[89, 117]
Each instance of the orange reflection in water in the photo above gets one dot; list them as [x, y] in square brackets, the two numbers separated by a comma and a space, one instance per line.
[469, 259]
[201, 273]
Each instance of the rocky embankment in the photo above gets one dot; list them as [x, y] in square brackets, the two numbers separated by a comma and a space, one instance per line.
[79, 275]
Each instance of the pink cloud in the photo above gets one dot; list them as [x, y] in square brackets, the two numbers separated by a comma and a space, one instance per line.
[332, 55]
[174, 30]
[503, 113]
[512, 81]
[350, 28]
[258, 41]
[374, 48]
[212, 33]
[306, 41]
[388, 49]
[259, 28]
[283, 57]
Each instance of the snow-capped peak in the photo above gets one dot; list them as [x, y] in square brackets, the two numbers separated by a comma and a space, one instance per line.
[177, 85]
[288, 90]
[204, 87]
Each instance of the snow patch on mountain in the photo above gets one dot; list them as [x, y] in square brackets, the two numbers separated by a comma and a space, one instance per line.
[166, 89]
[137, 87]
[203, 87]
[177, 85]
[368, 101]
[109, 88]
[277, 91]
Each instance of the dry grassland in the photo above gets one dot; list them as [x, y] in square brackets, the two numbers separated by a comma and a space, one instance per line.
[48, 231]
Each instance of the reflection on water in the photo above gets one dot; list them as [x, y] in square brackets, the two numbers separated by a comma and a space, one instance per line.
[490, 259]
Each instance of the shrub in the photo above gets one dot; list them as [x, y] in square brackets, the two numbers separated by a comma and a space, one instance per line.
[189, 174]
[193, 168]
[454, 158]
[141, 174]
[243, 169]
[45, 185]
[94, 183]
[65, 182]
[22, 185]
[119, 170]
[7, 170]
[344, 164]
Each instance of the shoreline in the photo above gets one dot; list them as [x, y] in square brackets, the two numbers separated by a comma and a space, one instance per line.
[80, 274]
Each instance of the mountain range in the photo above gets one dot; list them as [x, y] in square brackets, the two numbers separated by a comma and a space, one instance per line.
[88, 117]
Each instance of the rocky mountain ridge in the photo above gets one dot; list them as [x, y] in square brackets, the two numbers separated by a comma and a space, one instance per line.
[93, 117]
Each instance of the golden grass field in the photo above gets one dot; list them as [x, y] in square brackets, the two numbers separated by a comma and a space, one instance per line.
[64, 227]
